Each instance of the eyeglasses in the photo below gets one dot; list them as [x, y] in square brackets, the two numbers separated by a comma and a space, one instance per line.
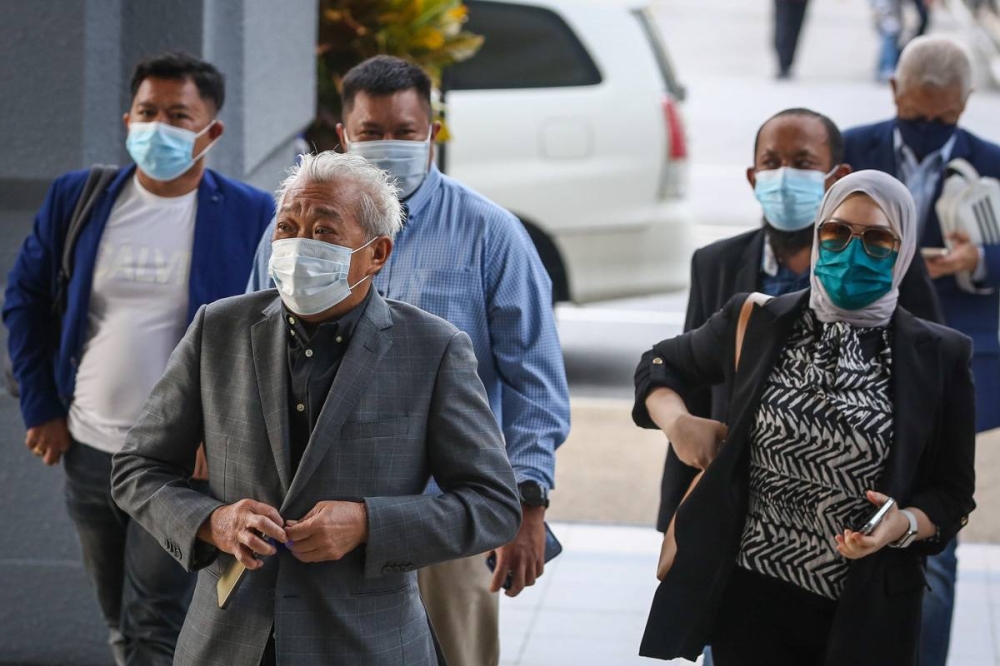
[878, 242]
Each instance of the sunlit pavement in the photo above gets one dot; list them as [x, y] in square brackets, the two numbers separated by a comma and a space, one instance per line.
[589, 609]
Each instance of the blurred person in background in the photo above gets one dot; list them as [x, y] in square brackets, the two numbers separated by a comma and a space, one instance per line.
[888, 17]
[789, 15]
[843, 400]
[931, 87]
[923, 8]
[166, 236]
[469, 261]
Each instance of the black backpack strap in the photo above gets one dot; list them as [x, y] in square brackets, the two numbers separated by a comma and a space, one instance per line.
[98, 179]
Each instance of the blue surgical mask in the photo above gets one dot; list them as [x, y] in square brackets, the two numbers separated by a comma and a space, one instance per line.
[923, 136]
[852, 278]
[161, 151]
[311, 275]
[406, 161]
[790, 197]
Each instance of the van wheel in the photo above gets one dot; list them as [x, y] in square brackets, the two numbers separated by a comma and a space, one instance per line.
[552, 260]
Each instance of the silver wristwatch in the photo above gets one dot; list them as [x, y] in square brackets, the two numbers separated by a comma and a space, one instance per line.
[911, 532]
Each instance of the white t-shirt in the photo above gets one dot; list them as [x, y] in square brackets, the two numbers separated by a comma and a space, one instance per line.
[138, 312]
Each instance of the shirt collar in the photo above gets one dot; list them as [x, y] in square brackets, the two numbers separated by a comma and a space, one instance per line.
[769, 262]
[343, 326]
[906, 155]
[419, 199]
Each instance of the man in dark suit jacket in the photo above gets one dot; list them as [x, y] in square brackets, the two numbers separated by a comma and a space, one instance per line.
[931, 87]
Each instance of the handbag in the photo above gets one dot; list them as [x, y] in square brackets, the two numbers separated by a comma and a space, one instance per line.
[98, 179]
[668, 550]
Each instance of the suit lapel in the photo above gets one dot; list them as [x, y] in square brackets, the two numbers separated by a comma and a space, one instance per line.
[882, 150]
[271, 365]
[366, 348]
[748, 276]
[914, 397]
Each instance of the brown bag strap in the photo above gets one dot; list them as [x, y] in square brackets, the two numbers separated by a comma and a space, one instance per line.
[754, 299]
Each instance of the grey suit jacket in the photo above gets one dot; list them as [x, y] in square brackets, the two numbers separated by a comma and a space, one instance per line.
[406, 404]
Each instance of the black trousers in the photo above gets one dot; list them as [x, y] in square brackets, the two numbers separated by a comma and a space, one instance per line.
[767, 622]
[142, 591]
[788, 18]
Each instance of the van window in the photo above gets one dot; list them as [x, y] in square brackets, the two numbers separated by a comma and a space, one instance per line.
[524, 47]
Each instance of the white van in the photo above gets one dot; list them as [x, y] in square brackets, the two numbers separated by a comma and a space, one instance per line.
[570, 117]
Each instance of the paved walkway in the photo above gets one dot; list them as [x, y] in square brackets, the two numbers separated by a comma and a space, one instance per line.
[589, 609]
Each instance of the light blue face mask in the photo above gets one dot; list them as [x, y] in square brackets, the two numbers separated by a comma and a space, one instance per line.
[161, 151]
[791, 197]
[406, 161]
[311, 275]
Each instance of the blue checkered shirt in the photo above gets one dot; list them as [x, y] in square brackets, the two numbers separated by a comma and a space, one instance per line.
[469, 261]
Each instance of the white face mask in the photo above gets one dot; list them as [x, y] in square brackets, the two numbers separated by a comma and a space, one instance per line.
[406, 161]
[311, 275]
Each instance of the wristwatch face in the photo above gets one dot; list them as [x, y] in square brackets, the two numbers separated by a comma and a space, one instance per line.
[533, 494]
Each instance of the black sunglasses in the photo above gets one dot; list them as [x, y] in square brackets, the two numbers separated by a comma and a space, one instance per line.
[878, 242]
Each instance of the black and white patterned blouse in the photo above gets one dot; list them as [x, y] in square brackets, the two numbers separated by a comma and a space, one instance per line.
[819, 441]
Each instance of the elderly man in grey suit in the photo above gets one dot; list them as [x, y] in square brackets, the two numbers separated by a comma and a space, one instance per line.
[324, 410]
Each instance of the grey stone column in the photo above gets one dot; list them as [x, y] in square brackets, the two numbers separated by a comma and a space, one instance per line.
[66, 67]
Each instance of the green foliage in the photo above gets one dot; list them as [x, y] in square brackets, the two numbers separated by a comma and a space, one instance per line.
[427, 32]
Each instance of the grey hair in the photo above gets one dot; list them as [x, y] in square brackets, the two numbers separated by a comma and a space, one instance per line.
[934, 61]
[380, 213]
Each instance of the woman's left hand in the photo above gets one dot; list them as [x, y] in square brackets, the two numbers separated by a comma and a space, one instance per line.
[855, 545]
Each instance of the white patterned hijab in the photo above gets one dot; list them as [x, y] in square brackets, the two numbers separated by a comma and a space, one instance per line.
[896, 202]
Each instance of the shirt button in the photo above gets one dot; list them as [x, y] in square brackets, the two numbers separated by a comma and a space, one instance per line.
[309, 353]
[340, 339]
[292, 332]
[291, 320]
[657, 361]
[300, 407]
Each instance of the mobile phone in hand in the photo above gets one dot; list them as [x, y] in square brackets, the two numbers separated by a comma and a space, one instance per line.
[877, 517]
[933, 252]
[552, 548]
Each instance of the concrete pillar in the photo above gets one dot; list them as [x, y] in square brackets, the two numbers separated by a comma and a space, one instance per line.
[63, 89]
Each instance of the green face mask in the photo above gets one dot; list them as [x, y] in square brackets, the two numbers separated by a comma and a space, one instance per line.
[852, 278]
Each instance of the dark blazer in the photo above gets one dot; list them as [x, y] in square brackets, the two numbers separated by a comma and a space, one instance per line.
[732, 266]
[930, 466]
[976, 315]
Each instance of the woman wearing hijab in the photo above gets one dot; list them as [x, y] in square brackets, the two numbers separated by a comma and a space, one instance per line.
[842, 400]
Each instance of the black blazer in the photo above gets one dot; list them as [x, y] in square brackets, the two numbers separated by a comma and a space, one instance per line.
[930, 466]
[732, 266]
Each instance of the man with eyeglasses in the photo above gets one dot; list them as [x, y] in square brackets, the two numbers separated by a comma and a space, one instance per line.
[932, 84]
[798, 155]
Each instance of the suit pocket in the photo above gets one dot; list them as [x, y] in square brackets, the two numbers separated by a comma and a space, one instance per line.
[393, 427]
[384, 585]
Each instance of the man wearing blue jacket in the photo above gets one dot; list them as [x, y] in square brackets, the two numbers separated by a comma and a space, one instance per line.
[932, 84]
[165, 237]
